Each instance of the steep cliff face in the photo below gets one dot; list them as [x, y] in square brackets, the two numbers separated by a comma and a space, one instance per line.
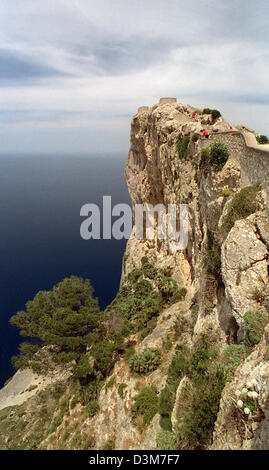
[155, 174]
[225, 271]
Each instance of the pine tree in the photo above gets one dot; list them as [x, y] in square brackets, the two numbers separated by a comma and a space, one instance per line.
[65, 317]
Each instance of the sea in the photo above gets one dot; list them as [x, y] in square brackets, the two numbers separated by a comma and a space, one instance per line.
[40, 242]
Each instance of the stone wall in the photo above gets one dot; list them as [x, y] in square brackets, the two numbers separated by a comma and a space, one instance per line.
[254, 162]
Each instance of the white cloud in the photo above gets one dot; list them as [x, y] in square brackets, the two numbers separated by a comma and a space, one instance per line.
[115, 56]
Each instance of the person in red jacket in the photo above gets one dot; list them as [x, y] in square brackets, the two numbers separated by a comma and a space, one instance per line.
[193, 115]
[205, 134]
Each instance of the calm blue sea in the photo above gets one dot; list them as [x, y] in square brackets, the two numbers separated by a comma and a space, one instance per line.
[40, 244]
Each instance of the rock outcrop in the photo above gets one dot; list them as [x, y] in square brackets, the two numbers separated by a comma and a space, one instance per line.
[234, 430]
[245, 263]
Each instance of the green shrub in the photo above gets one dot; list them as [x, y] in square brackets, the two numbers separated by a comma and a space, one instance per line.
[214, 260]
[199, 359]
[251, 404]
[227, 193]
[102, 353]
[196, 425]
[152, 306]
[254, 323]
[121, 389]
[176, 371]
[166, 440]
[167, 287]
[195, 309]
[233, 356]
[74, 402]
[129, 352]
[142, 288]
[262, 139]
[146, 362]
[179, 366]
[146, 404]
[144, 260]
[149, 270]
[92, 407]
[167, 344]
[134, 275]
[200, 402]
[166, 405]
[214, 113]
[180, 294]
[151, 324]
[195, 137]
[109, 384]
[166, 271]
[83, 368]
[244, 203]
[89, 391]
[259, 295]
[219, 155]
[145, 294]
[124, 292]
[183, 146]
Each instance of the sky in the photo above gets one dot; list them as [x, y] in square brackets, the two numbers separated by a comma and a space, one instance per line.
[74, 72]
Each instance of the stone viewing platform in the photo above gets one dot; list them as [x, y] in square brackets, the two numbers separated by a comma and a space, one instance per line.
[167, 100]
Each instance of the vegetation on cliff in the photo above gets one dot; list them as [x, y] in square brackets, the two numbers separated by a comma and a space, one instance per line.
[255, 323]
[145, 293]
[200, 397]
[215, 113]
[183, 146]
[67, 317]
[262, 139]
[66, 326]
[214, 157]
[244, 203]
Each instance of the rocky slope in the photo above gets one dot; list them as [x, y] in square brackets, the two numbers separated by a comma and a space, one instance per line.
[225, 271]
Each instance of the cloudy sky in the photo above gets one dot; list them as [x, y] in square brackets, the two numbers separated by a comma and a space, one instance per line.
[73, 72]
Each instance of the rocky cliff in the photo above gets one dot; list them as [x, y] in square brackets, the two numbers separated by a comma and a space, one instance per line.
[211, 342]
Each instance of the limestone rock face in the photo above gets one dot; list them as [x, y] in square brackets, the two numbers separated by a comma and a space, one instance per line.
[155, 175]
[244, 263]
[25, 384]
[233, 429]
